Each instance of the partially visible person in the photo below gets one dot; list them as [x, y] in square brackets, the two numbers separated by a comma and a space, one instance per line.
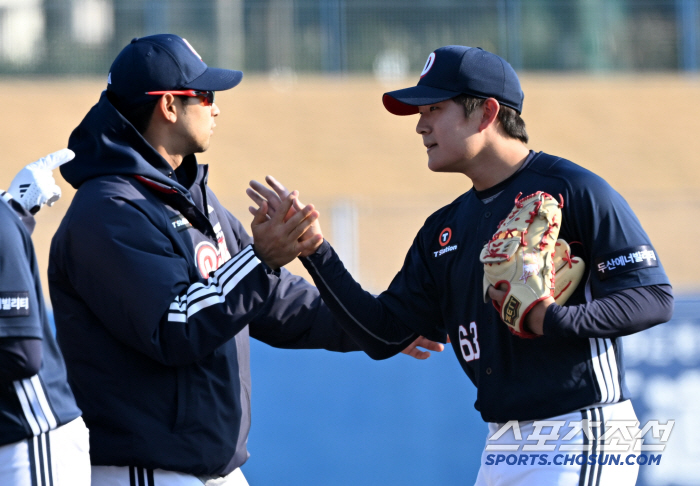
[43, 440]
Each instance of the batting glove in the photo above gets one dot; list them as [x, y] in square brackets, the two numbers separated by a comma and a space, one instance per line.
[35, 186]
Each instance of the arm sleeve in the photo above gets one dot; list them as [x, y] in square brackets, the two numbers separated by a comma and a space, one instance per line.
[130, 275]
[19, 358]
[618, 314]
[20, 298]
[611, 238]
[299, 319]
[21, 304]
[382, 325]
[296, 317]
[623, 294]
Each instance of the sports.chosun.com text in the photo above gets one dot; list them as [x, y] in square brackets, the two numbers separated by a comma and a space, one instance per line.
[571, 459]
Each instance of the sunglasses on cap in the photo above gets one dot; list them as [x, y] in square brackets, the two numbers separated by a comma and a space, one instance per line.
[207, 96]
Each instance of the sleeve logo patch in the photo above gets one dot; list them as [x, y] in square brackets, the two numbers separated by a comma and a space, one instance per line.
[14, 304]
[180, 223]
[626, 260]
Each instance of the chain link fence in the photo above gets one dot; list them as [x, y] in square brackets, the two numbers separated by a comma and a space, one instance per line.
[388, 37]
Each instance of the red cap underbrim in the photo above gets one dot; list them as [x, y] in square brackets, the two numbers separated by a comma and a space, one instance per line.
[406, 101]
[395, 107]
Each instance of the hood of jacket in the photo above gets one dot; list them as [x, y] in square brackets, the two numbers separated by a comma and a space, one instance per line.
[105, 143]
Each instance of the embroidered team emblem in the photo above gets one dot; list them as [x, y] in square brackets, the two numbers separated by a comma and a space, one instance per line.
[428, 64]
[207, 258]
[445, 236]
[192, 49]
[530, 266]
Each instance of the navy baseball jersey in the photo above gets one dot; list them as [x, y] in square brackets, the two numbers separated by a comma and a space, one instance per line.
[43, 402]
[439, 291]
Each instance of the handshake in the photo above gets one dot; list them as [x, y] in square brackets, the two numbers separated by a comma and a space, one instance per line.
[283, 228]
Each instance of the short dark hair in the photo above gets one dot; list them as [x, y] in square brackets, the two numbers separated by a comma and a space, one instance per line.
[513, 125]
[140, 115]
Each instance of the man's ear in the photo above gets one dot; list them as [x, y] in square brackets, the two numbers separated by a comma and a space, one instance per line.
[166, 109]
[490, 108]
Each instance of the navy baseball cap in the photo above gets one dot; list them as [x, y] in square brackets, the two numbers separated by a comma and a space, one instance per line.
[163, 62]
[454, 70]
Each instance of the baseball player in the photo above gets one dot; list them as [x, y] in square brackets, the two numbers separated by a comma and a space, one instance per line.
[156, 287]
[561, 363]
[43, 439]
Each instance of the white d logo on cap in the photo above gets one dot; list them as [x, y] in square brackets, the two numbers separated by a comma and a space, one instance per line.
[192, 49]
[428, 64]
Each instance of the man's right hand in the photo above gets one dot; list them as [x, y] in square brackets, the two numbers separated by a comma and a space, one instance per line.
[278, 239]
[259, 193]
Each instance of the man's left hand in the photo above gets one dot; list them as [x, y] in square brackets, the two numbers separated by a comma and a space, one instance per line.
[413, 351]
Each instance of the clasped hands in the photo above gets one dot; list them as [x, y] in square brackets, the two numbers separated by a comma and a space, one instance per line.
[284, 228]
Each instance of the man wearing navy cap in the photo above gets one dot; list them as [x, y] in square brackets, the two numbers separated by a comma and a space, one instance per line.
[156, 287]
[548, 400]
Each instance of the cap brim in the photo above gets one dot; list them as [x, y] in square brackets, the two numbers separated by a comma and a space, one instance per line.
[216, 79]
[406, 101]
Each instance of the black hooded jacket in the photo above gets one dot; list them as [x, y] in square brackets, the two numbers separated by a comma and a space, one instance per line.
[155, 289]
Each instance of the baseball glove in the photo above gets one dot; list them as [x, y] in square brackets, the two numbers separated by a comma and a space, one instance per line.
[520, 255]
[568, 272]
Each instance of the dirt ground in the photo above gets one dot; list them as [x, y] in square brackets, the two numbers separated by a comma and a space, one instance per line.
[333, 140]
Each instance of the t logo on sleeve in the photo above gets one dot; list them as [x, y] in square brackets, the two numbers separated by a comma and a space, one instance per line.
[14, 304]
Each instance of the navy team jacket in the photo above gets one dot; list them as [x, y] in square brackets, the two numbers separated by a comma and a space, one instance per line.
[156, 289]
